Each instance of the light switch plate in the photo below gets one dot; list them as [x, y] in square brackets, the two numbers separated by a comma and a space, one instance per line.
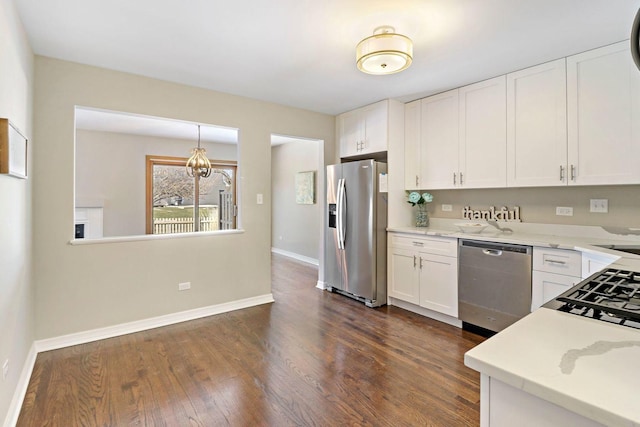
[259, 199]
[447, 208]
[599, 205]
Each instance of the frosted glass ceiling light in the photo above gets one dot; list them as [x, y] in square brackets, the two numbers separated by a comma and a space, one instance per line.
[198, 164]
[385, 52]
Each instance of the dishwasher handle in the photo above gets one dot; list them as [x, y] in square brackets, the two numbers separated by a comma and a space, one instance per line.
[492, 252]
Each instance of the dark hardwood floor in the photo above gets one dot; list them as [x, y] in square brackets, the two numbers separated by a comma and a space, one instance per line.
[310, 359]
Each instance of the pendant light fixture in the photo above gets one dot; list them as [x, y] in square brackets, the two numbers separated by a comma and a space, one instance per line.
[385, 52]
[198, 164]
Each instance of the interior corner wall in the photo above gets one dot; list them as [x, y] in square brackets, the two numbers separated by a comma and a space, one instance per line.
[83, 287]
[296, 227]
[122, 194]
[16, 288]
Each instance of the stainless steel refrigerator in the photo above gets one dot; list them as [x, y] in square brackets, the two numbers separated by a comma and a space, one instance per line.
[355, 232]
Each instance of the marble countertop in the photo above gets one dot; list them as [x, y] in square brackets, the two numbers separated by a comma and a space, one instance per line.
[584, 365]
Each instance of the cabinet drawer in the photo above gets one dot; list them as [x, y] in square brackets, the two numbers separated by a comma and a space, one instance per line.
[559, 261]
[427, 244]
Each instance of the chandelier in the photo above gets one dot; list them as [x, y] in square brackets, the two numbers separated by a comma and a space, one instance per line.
[198, 164]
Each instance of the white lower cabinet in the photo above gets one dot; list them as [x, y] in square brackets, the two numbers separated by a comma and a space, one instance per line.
[502, 405]
[554, 271]
[439, 283]
[547, 286]
[404, 279]
[424, 271]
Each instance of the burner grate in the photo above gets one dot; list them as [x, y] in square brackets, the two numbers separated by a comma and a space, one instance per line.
[611, 295]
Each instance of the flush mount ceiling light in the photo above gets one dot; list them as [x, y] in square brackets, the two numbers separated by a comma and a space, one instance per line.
[385, 52]
[198, 164]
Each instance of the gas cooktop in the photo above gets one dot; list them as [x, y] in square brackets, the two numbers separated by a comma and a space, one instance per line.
[612, 295]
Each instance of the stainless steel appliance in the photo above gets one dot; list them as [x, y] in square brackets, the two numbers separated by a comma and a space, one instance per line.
[494, 283]
[355, 233]
[611, 295]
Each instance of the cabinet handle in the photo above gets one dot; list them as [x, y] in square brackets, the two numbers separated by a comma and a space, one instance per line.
[573, 173]
[553, 261]
[420, 263]
[418, 244]
[416, 180]
[454, 178]
[414, 261]
[461, 178]
[561, 173]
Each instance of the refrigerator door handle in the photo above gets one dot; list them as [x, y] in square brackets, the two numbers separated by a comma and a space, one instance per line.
[340, 216]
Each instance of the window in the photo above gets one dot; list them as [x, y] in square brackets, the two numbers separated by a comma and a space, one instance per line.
[174, 200]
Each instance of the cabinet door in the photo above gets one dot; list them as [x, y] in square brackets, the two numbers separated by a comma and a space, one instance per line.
[412, 145]
[350, 133]
[603, 112]
[439, 283]
[376, 127]
[546, 286]
[439, 140]
[537, 126]
[483, 129]
[403, 275]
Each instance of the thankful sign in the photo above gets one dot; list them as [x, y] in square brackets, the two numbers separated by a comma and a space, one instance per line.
[493, 214]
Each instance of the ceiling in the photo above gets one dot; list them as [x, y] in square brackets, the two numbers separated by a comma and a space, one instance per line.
[301, 53]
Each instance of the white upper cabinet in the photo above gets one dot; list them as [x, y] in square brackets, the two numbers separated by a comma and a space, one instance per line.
[412, 133]
[367, 129]
[439, 141]
[603, 110]
[483, 128]
[537, 126]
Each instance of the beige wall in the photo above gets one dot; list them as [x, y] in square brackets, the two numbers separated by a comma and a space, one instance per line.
[90, 286]
[16, 289]
[110, 169]
[295, 228]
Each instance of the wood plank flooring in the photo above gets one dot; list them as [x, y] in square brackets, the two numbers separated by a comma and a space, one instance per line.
[310, 359]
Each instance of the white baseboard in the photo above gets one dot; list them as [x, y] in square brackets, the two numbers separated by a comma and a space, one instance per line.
[425, 312]
[321, 285]
[293, 255]
[142, 325]
[21, 388]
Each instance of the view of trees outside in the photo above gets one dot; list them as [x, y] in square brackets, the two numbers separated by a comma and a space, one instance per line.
[173, 199]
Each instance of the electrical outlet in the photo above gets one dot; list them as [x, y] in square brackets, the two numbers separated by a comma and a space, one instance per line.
[564, 211]
[259, 199]
[599, 205]
[5, 369]
[185, 286]
[447, 208]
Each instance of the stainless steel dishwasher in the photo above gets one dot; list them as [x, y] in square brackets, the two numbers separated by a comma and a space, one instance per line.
[494, 283]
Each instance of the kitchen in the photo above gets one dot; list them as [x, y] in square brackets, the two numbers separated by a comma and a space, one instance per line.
[65, 301]
[523, 368]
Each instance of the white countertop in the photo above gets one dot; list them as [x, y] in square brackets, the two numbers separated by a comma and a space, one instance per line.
[586, 366]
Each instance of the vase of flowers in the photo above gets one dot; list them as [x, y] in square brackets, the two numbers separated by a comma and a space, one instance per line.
[420, 200]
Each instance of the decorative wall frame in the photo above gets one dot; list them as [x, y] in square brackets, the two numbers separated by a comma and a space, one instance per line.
[306, 188]
[13, 150]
